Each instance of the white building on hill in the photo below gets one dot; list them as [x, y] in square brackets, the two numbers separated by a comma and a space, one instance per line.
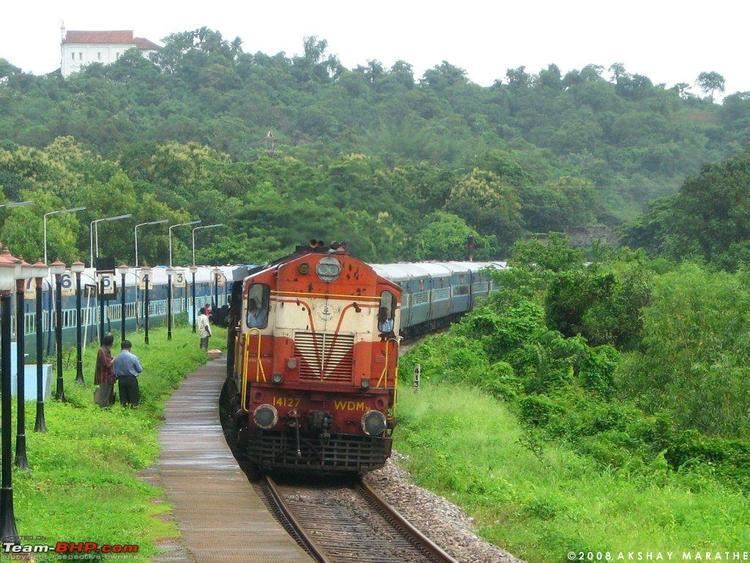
[80, 48]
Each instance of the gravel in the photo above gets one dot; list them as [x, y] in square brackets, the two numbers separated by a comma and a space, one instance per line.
[439, 519]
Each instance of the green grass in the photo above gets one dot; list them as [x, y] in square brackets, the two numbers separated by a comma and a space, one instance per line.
[541, 500]
[84, 483]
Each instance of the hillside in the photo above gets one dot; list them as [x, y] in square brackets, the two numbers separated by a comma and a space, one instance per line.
[399, 164]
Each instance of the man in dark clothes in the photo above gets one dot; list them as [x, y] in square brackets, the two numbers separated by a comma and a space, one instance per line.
[104, 376]
[127, 368]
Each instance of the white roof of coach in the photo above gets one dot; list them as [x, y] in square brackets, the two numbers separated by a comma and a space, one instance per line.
[435, 269]
[401, 271]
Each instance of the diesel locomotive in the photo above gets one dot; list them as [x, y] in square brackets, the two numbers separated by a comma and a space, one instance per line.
[313, 353]
[315, 362]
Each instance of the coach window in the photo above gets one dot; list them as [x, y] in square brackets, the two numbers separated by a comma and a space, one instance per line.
[257, 306]
[386, 312]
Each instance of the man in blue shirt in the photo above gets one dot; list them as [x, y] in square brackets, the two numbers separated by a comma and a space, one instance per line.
[127, 368]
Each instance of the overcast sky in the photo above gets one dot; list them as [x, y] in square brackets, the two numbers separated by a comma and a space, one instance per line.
[668, 40]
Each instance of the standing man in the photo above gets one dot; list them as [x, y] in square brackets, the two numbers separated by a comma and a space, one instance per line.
[104, 376]
[204, 329]
[127, 368]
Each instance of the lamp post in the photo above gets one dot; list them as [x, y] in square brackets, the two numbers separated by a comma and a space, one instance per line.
[71, 210]
[94, 234]
[41, 271]
[200, 228]
[170, 273]
[193, 270]
[24, 271]
[123, 270]
[185, 292]
[135, 234]
[146, 271]
[100, 299]
[8, 531]
[77, 268]
[136, 263]
[57, 268]
[16, 204]
[217, 273]
[170, 236]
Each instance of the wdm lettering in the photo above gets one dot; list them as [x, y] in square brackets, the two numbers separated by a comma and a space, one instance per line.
[350, 406]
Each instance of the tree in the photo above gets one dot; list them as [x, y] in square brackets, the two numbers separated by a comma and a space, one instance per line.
[682, 89]
[444, 237]
[7, 69]
[710, 82]
[617, 70]
[518, 77]
[485, 200]
[552, 252]
[694, 358]
[443, 76]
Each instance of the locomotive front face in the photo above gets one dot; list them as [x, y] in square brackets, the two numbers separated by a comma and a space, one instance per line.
[319, 363]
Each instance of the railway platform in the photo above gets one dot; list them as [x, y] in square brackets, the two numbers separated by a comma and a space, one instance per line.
[217, 510]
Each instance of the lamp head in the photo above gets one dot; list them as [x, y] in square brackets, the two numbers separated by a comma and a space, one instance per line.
[77, 267]
[57, 267]
[40, 269]
[8, 264]
[25, 270]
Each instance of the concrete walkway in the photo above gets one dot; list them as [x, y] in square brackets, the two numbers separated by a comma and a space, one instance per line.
[220, 515]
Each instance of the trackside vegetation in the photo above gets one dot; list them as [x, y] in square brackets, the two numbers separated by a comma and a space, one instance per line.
[85, 482]
[591, 406]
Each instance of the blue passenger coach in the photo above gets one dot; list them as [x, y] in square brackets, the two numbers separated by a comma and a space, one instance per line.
[435, 293]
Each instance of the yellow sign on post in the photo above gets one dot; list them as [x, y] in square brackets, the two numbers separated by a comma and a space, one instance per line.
[29, 291]
[142, 281]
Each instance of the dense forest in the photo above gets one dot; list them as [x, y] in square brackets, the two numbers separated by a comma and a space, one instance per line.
[281, 148]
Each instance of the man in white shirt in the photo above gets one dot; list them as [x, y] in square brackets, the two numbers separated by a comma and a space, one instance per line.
[204, 329]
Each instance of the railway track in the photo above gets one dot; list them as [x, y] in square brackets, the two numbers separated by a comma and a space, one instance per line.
[347, 522]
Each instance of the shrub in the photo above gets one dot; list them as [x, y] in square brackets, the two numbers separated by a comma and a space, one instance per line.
[538, 410]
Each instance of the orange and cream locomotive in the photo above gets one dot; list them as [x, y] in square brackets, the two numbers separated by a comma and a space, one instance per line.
[314, 362]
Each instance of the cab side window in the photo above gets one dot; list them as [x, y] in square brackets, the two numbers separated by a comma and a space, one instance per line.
[386, 312]
[257, 306]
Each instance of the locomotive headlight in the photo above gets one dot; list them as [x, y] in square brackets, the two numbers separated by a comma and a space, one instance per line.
[265, 416]
[328, 269]
[277, 378]
[373, 423]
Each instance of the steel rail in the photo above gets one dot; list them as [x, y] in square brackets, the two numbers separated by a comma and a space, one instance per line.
[291, 523]
[424, 543]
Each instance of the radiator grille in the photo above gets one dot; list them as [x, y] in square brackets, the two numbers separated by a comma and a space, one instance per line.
[325, 356]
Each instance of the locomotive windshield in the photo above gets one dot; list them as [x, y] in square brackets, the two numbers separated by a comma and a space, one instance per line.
[386, 312]
[257, 306]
